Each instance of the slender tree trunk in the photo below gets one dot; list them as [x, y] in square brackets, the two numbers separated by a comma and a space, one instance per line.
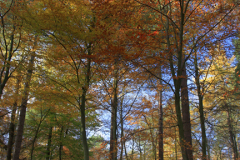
[177, 81]
[180, 123]
[144, 151]
[37, 131]
[34, 140]
[176, 154]
[60, 145]
[160, 112]
[12, 124]
[139, 146]
[23, 108]
[237, 146]
[49, 144]
[121, 122]
[153, 144]
[181, 83]
[186, 113]
[83, 107]
[202, 119]
[114, 104]
[232, 135]
[83, 127]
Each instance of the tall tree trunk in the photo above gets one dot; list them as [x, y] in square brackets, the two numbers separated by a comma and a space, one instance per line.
[176, 73]
[60, 144]
[181, 83]
[12, 124]
[232, 135]
[121, 122]
[202, 119]
[153, 142]
[139, 146]
[186, 112]
[83, 127]
[83, 106]
[176, 144]
[177, 85]
[48, 157]
[160, 112]
[144, 151]
[23, 107]
[114, 104]
[180, 123]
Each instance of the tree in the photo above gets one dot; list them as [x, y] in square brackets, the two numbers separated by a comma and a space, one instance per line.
[13, 119]
[151, 74]
[179, 20]
[200, 93]
[222, 85]
[23, 106]
[78, 55]
[7, 44]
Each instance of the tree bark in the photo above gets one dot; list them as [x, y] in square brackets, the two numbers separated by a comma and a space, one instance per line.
[180, 123]
[202, 118]
[154, 149]
[139, 146]
[83, 107]
[12, 124]
[176, 74]
[121, 122]
[176, 154]
[114, 104]
[60, 144]
[160, 121]
[144, 151]
[177, 83]
[49, 144]
[23, 108]
[186, 113]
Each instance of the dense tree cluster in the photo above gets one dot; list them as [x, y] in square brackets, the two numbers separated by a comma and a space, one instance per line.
[117, 79]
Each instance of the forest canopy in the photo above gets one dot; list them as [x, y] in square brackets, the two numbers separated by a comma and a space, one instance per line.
[119, 79]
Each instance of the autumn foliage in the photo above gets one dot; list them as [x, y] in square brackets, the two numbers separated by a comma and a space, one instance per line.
[117, 79]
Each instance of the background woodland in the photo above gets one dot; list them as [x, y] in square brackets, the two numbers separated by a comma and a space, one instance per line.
[119, 79]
